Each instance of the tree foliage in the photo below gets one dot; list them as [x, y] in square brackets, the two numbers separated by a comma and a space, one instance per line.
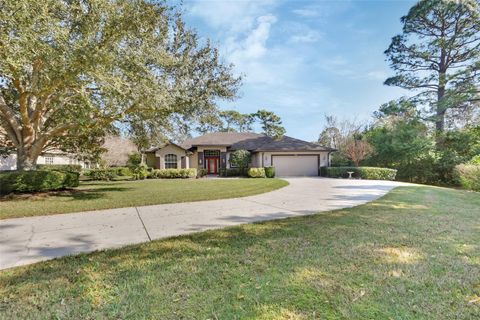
[70, 68]
[438, 55]
[271, 123]
[340, 135]
[234, 121]
[241, 159]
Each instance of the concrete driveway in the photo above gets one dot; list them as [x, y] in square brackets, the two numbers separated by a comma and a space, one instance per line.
[28, 240]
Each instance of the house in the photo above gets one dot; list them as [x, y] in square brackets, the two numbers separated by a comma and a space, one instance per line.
[50, 157]
[289, 156]
[117, 150]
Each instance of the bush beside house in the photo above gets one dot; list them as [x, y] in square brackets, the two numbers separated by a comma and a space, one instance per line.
[270, 172]
[60, 167]
[37, 180]
[256, 173]
[368, 173]
[173, 173]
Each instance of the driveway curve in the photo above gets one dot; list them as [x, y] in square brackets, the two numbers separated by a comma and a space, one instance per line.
[28, 240]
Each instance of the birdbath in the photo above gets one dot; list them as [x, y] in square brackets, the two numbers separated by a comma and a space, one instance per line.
[350, 174]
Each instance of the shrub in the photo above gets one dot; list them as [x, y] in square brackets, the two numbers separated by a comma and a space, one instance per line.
[256, 173]
[475, 160]
[139, 172]
[134, 159]
[174, 173]
[230, 172]
[201, 173]
[36, 180]
[369, 173]
[123, 171]
[270, 172]
[469, 176]
[59, 167]
[241, 159]
[101, 174]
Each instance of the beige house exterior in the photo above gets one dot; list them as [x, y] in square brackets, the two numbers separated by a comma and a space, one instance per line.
[289, 156]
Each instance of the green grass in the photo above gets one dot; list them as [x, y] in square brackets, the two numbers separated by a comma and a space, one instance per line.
[414, 254]
[118, 194]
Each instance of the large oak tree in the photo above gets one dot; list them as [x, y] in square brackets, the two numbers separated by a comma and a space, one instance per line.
[438, 55]
[72, 69]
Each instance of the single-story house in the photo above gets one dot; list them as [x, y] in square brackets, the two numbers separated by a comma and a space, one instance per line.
[289, 156]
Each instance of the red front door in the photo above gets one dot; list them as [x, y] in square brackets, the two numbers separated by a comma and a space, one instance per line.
[212, 165]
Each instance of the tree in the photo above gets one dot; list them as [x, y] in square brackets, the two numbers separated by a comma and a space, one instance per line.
[438, 54]
[69, 68]
[338, 135]
[241, 159]
[231, 120]
[404, 145]
[358, 150]
[271, 123]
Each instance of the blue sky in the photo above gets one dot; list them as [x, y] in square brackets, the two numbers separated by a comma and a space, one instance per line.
[304, 59]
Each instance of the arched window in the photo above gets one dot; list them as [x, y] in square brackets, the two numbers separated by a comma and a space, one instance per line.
[171, 161]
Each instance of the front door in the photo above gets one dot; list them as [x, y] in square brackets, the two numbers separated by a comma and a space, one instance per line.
[212, 165]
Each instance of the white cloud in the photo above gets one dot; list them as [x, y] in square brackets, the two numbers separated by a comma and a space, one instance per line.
[254, 45]
[377, 75]
[307, 12]
[232, 16]
[309, 36]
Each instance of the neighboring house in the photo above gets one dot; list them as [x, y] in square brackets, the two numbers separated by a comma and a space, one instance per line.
[50, 157]
[118, 149]
[289, 156]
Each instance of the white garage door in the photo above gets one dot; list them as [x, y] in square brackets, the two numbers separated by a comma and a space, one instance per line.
[301, 165]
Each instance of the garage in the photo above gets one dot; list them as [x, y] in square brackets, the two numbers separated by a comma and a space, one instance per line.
[295, 165]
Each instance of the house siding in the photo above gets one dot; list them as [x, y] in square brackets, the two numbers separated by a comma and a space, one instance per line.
[170, 149]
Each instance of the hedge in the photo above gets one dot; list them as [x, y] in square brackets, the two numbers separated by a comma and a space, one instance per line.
[37, 180]
[123, 171]
[469, 176]
[59, 167]
[201, 173]
[173, 173]
[101, 174]
[256, 173]
[270, 172]
[230, 172]
[368, 173]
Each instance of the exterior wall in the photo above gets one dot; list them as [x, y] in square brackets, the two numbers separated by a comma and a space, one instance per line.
[151, 160]
[10, 162]
[194, 160]
[170, 149]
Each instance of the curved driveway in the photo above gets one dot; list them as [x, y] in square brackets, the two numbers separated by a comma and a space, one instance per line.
[28, 240]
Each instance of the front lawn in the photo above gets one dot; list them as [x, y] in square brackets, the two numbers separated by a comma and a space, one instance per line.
[414, 254]
[118, 194]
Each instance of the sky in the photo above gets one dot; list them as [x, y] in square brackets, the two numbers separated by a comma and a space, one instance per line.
[304, 59]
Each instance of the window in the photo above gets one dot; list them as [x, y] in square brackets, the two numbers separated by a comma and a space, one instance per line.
[211, 153]
[171, 161]
[48, 160]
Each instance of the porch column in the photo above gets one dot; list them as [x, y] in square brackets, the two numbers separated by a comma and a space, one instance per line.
[223, 160]
[201, 161]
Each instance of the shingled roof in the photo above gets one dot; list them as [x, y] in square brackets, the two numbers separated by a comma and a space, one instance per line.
[252, 142]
